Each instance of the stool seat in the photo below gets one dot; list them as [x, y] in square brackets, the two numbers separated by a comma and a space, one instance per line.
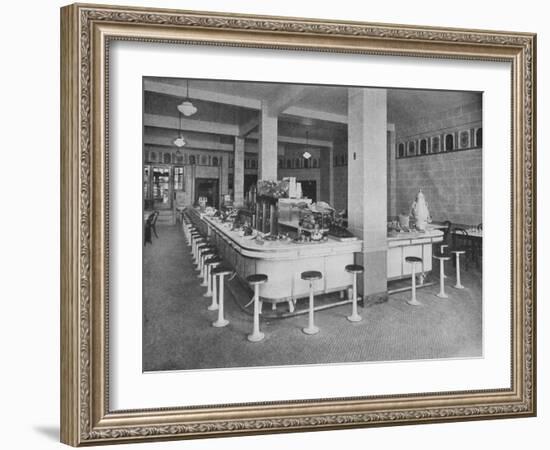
[213, 260]
[257, 278]
[354, 268]
[413, 259]
[311, 275]
[460, 251]
[442, 257]
[222, 271]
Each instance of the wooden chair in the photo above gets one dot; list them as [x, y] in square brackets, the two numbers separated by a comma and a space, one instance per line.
[150, 226]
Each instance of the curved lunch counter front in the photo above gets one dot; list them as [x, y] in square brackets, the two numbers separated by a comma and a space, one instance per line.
[283, 261]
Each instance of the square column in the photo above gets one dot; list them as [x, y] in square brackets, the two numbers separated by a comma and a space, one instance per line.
[267, 148]
[392, 169]
[367, 186]
[238, 172]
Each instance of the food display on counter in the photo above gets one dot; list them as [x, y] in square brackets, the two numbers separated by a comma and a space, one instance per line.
[341, 233]
[273, 188]
[268, 238]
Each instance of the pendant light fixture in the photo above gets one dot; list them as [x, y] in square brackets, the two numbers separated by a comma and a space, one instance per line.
[180, 140]
[186, 107]
[306, 154]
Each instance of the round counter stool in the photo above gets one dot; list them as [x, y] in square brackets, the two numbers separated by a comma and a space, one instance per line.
[413, 260]
[442, 249]
[200, 247]
[311, 276]
[203, 249]
[211, 264]
[209, 253]
[457, 254]
[193, 234]
[255, 280]
[354, 269]
[442, 259]
[197, 239]
[220, 272]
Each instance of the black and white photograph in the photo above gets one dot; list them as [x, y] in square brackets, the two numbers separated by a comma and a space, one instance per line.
[296, 224]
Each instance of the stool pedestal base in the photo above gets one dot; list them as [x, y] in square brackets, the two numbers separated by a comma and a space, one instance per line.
[220, 323]
[355, 318]
[312, 330]
[256, 337]
[414, 302]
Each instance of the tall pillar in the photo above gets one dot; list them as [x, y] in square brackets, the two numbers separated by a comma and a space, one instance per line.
[367, 185]
[331, 174]
[238, 172]
[267, 151]
[392, 169]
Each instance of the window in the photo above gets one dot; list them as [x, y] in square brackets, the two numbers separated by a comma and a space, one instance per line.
[401, 150]
[280, 163]
[167, 158]
[178, 178]
[296, 163]
[479, 137]
[215, 161]
[411, 148]
[253, 163]
[449, 142]
[288, 164]
[192, 160]
[315, 163]
[435, 144]
[423, 146]
[153, 156]
[204, 160]
[464, 139]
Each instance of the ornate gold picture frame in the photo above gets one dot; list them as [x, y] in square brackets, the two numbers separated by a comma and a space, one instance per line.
[87, 31]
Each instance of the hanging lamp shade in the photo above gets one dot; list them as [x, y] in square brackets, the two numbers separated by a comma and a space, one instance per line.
[186, 107]
[306, 154]
[180, 142]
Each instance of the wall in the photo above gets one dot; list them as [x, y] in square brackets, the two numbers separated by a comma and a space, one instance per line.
[451, 184]
[30, 395]
[340, 171]
[451, 180]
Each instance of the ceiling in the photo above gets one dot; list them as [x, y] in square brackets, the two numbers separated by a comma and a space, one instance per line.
[316, 110]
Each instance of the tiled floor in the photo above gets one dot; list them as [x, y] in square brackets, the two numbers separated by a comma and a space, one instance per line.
[177, 331]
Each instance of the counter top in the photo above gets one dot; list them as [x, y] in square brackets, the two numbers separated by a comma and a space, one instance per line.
[412, 237]
[283, 249]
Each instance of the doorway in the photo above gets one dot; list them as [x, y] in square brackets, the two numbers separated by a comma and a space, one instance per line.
[309, 189]
[159, 195]
[207, 187]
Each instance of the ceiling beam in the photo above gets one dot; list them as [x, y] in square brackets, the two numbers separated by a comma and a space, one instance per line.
[173, 123]
[315, 114]
[297, 140]
[286, 96]
[164, 141]
[248, 127]
[200, 94]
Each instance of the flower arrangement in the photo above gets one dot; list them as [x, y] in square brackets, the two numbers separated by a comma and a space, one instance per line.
[273, 188]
